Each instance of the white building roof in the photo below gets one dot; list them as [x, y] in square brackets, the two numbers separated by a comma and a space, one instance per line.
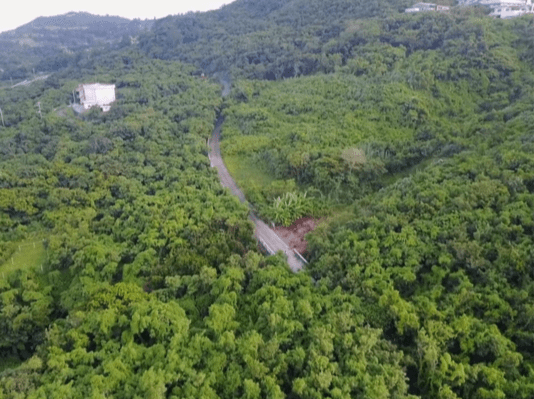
[495, 2]
[96, 94]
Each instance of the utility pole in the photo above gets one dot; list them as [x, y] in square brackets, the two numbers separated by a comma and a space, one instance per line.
[39, 104]
[2, 115]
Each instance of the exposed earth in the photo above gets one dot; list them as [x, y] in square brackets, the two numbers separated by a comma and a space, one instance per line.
[294, 234]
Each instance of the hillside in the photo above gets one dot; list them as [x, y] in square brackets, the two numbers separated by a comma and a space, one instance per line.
[47, 43]
[266, 40]
[421, 132]
[408, 139]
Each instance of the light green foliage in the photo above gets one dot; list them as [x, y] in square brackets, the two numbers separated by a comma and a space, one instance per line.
[24, 254]
[314, 122]
[419, 126]
[120, 195]
[152, 286]
[284, 210]
[26, 304]
[125, 342]
[444, 255]
[246, 172]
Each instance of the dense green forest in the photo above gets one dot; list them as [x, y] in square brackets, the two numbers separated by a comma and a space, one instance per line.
[260, 39]
[423, 130]
[128, 271]
[152, 283]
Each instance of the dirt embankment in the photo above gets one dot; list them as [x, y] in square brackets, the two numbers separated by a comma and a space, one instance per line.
[294, 234]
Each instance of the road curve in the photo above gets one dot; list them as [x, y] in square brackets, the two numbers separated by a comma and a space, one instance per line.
[265, 235]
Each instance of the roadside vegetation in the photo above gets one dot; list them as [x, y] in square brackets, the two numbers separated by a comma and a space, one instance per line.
[424, 132]
[415, 132]
[394, 105]
[153, 284]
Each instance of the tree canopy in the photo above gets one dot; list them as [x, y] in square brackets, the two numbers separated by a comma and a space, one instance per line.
[127, 270]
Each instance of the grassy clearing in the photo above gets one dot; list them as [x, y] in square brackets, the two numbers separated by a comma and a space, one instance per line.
[246, 172]
[29, 253]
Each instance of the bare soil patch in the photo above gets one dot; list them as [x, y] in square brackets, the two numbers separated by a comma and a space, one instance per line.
[294, 234]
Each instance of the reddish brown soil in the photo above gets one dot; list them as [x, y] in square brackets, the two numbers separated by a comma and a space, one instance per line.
[294, 234]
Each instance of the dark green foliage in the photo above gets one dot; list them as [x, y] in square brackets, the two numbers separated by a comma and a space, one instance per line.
[47, 43]
[265, 40]
[395, 100]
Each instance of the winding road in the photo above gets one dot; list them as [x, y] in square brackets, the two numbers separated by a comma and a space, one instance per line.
[265, 235]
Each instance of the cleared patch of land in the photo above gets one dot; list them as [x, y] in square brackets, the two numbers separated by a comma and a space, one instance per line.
[29, 253]
[294, 234]
[246, 172]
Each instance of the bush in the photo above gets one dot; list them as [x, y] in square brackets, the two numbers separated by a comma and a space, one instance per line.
[287, 208]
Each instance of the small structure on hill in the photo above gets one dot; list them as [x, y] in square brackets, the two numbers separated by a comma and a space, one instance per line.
[96, 94]
[420, 7]
[503, 8]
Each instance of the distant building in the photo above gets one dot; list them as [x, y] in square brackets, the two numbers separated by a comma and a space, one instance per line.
[503, 8]
[96, 94]
[420, 7]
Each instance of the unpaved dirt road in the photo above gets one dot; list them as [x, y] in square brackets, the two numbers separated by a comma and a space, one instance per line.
[265, 235]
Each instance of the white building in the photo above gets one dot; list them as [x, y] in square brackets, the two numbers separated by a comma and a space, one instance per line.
[511, 9]
[420, 7]
[96, 94]
[503, 8]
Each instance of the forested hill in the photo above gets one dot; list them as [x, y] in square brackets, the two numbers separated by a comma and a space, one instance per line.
[265, 39]
[70, 20]
[47, 43]
[422, 126]
[128, 271]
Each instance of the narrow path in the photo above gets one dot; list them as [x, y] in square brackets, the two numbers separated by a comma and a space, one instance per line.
[28, 82]
[265, 235]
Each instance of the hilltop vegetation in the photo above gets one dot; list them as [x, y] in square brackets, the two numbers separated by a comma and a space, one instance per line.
[260, 39]
[419, 126]
[49, 43]
[403, 91]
